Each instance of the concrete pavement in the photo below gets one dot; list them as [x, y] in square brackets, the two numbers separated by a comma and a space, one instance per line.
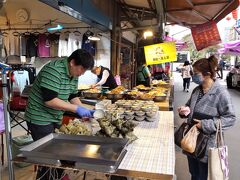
[231, 136]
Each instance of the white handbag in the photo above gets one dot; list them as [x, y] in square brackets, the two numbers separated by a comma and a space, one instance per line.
[218, 168]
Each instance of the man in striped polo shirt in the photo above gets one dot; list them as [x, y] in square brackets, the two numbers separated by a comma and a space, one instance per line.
[55, 91]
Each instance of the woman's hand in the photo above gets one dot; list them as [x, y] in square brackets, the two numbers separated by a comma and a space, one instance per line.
[198, 123]
[184, 110]
[179, 109]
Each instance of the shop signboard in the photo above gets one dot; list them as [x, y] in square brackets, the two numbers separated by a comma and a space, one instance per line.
[205, 35]
[160, 53]
[183, 56]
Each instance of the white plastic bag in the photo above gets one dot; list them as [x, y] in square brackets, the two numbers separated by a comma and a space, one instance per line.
[189, 141]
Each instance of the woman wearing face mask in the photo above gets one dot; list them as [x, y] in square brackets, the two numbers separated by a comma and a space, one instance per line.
[208, 102]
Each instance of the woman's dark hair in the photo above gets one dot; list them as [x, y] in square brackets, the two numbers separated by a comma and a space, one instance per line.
[186, 63]
[207, 66]
[83, 58]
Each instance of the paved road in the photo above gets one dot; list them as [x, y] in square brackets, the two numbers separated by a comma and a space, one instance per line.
[232, 136]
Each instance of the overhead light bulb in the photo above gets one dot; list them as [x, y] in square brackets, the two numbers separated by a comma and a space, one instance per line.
[58, 27]
[94, 38]
[147, 34]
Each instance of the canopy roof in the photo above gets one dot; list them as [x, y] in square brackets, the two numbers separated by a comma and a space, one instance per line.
[136, 15]
[193, 12]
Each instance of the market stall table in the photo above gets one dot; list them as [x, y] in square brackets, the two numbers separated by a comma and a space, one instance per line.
[151, 156]
[164, 105]
[167, 105]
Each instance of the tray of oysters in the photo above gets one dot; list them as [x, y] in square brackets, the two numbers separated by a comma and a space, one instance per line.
[137, 110]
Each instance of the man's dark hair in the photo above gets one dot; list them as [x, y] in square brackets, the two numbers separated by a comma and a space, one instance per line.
[83, 58]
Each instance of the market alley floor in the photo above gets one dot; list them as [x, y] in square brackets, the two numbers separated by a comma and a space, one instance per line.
[231, 135]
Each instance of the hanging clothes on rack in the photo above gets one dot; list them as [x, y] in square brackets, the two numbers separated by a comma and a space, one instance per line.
[88, 45]
[31, 73]
[31, 46]
[23, 44]
[6, 44]
[74, 42]
[43, 46]
[14, 44]
[27, 67]
[21, 78]
[54, 43]
[63, 45]
[3, 51]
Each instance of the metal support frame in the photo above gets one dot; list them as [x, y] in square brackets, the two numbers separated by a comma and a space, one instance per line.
[8, 132]
[161, 16]
[140, 28]
[41, 29]
[129, 13]
[14, 115]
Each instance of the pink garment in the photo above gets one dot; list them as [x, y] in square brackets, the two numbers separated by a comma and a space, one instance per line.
[168, 38]
[43, 46]
[66, 177]
[118, 80]
[157, 68]
[167, 68]
[2, 124]
[179, 44]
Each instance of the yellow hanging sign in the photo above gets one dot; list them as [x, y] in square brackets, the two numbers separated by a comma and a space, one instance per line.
[160, 53]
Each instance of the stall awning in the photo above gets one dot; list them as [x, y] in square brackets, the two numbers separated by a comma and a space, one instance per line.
[231, 48]
[137, 15]
[190, 13]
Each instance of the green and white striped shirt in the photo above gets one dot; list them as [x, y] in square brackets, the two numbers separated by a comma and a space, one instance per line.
[54, 76]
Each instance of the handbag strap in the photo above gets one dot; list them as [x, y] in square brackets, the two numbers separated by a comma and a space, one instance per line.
[219, 134]
[186, 129]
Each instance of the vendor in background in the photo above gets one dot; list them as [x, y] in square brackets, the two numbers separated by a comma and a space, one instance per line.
[167, 69]
[150, 69]
[105, 77]
[54, 91]
[143, 76]
[157, 71]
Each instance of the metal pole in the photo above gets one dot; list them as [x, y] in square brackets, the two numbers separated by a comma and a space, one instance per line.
[7, 123]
